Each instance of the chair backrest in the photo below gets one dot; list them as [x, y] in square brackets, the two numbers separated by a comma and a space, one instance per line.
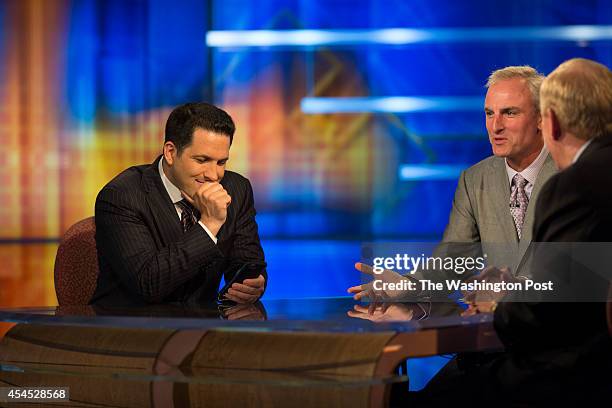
[76, 264]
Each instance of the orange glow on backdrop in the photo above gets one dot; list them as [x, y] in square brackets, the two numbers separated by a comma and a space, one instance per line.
[52, 168]
[56, 159]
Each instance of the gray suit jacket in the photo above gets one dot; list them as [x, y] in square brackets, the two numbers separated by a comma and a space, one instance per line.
[480, 212]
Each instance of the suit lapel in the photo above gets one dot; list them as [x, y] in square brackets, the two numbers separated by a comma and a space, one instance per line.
[164, 212]
[501, 195]
[547, 170]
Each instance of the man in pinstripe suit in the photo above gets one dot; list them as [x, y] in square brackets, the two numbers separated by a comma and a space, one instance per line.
[165, 232]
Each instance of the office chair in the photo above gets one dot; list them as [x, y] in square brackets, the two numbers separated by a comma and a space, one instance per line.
[76, 264]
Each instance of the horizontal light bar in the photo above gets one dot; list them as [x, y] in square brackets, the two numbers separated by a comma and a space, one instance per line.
[419, 172]
[391, 104]
[402, 36]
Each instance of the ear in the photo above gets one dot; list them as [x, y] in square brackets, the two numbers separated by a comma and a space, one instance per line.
[540, 124]
[555, 126]
[170, 152]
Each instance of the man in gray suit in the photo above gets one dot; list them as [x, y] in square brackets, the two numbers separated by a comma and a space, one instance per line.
[494, 200]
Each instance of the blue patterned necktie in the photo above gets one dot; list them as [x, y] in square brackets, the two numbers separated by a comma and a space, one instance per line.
[189, 214]
[518, 202]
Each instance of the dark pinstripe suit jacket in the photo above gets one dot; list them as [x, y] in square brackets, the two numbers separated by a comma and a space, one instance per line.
[145, 257]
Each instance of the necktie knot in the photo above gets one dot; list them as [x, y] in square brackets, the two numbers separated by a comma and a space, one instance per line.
[519, 181]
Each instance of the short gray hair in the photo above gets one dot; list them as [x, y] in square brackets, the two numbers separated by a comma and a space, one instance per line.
[532, 77]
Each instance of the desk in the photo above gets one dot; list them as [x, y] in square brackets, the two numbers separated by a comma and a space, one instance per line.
[305, 352]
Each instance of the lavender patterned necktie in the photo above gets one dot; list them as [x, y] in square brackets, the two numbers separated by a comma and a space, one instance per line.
[518, 202]
[189, 214]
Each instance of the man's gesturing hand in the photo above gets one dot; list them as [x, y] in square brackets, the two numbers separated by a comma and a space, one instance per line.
[367, 290]
[212, 201]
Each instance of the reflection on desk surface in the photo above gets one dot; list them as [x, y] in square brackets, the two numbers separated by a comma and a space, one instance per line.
[322, 314]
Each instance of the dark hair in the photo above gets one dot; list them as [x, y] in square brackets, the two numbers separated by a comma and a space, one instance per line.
[185, 119]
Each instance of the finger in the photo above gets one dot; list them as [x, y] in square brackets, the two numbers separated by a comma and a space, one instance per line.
[235, 309]
[218, 194]
[355, 289]
[250, 316]
[378, 309]
[240, 295]
[208, 187]
[246, 289]
[363, 294]
[360, 308]
[214, 193]
[364, 268]
[371, 308]
[233, 317]
[220, 198]
[211, 184]
[242, 313]
[360, 295]
[257, 282]
[358, 315]
[363, 311]
[233, 298]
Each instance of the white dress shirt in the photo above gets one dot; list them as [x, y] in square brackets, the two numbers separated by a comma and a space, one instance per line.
[530, 173]
[175, 196]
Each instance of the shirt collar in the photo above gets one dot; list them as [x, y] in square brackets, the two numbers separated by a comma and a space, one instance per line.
[581, 150]
[173, 191]
[531, 172]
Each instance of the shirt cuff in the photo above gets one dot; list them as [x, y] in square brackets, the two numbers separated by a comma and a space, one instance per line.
[210, 234]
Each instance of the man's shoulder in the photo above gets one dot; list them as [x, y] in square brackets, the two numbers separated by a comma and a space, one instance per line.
[594, 166]
[129, 179]
[585, 179]
[231, 179]
[579, 192]
[588, 178]
[484, 167]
